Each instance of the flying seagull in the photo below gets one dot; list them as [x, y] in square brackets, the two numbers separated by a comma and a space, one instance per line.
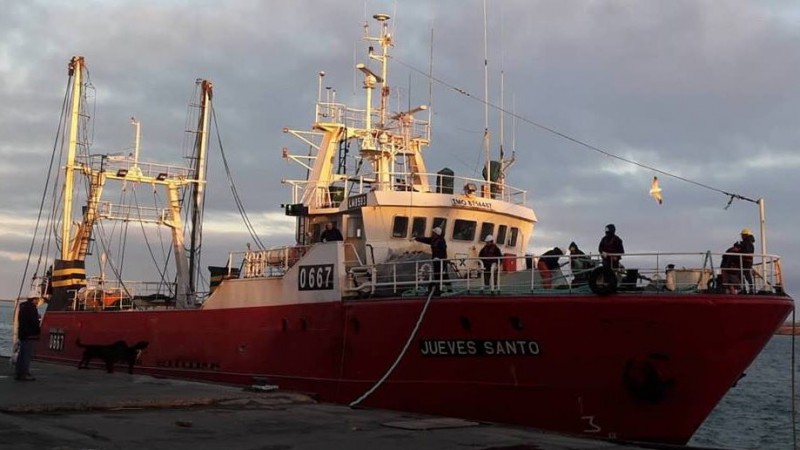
[655, 191]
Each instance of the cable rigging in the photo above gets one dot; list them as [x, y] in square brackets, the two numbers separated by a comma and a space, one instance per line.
[64, 108]
[239, 205]
[731, 196]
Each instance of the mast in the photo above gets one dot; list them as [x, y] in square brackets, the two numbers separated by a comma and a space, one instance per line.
[69, 271]
[486, 141]
[76, 66]
[183, 295]
[198, 191]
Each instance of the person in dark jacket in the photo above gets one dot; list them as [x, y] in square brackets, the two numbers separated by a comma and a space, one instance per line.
[439, 254]
[748, 248]
[611, 247]
[28, 335]
[580, 264]
[490, 255]
[731, 267]
[548, 263]
[331, 233]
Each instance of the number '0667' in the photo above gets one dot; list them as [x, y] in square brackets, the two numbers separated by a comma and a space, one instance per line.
[316, 277]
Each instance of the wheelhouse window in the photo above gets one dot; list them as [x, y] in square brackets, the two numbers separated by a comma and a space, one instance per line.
[440, 222]
[400, 227]
[487, 228]
[418, 226]
[500, 239]
[464, 230]
[512, 240]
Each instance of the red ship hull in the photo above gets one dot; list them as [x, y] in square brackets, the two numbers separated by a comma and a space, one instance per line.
[638, 367]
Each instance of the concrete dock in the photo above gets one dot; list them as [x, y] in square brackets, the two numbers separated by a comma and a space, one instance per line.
[71, 409]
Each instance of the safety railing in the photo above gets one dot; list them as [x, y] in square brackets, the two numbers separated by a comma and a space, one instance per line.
[675, 273]
[270, 262]
[102, 295]
[331, 196]
[652, 273]
[122, 165]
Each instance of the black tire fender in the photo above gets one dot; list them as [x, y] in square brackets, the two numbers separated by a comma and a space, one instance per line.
[603, 281]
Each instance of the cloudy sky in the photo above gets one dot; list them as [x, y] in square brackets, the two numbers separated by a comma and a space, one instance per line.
[704, 90]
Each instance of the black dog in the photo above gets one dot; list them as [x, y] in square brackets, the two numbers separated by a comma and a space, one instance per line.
[111, 353]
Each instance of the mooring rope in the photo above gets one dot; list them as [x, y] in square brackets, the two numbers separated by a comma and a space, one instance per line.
[400, 356]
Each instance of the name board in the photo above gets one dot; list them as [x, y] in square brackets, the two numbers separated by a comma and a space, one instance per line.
[478, 347]
[471, 203]
[357, 201]
[315, 278]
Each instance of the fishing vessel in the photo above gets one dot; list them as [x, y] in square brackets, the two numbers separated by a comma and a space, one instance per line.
[633, 353]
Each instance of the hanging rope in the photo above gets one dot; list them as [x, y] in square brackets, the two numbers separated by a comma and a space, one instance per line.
[399, 356]
[239, 205]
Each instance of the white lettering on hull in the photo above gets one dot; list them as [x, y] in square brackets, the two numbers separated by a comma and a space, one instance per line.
[476, 347]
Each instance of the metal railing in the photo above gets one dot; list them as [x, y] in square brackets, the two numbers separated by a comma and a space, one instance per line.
[115, 164]
[271, 262]
[356, 118]
[100, 295]
[331, 196]
[675, 273]
[652, 273]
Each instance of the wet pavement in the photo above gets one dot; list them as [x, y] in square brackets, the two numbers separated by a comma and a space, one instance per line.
[71, 409]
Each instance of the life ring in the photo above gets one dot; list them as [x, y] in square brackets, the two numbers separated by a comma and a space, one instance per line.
[603, 281]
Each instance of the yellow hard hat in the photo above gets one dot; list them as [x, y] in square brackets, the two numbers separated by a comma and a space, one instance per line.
[747, 231]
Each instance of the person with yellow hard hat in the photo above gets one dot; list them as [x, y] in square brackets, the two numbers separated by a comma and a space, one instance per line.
[747, 250]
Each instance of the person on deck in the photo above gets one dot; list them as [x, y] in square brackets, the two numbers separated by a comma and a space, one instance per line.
[439, 254]
[28, 332]
[580, 264]
[548, 263]
[490, 256]
[747, 250]
[331, 233]
[731, 267]
[611, 247]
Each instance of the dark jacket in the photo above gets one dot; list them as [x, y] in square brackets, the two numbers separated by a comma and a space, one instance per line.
[730, 261]
[331, 235]
[490, 254]
[438, 245]
[28, 321]
[611, 243]
[550, 258]
[579, 261]
[748, 248]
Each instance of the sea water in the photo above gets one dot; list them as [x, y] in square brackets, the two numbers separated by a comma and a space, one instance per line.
[755, 414]
[6, 321]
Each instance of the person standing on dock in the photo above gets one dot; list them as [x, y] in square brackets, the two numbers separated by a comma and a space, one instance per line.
[28, 332]
[439, 254]
[611, 247]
